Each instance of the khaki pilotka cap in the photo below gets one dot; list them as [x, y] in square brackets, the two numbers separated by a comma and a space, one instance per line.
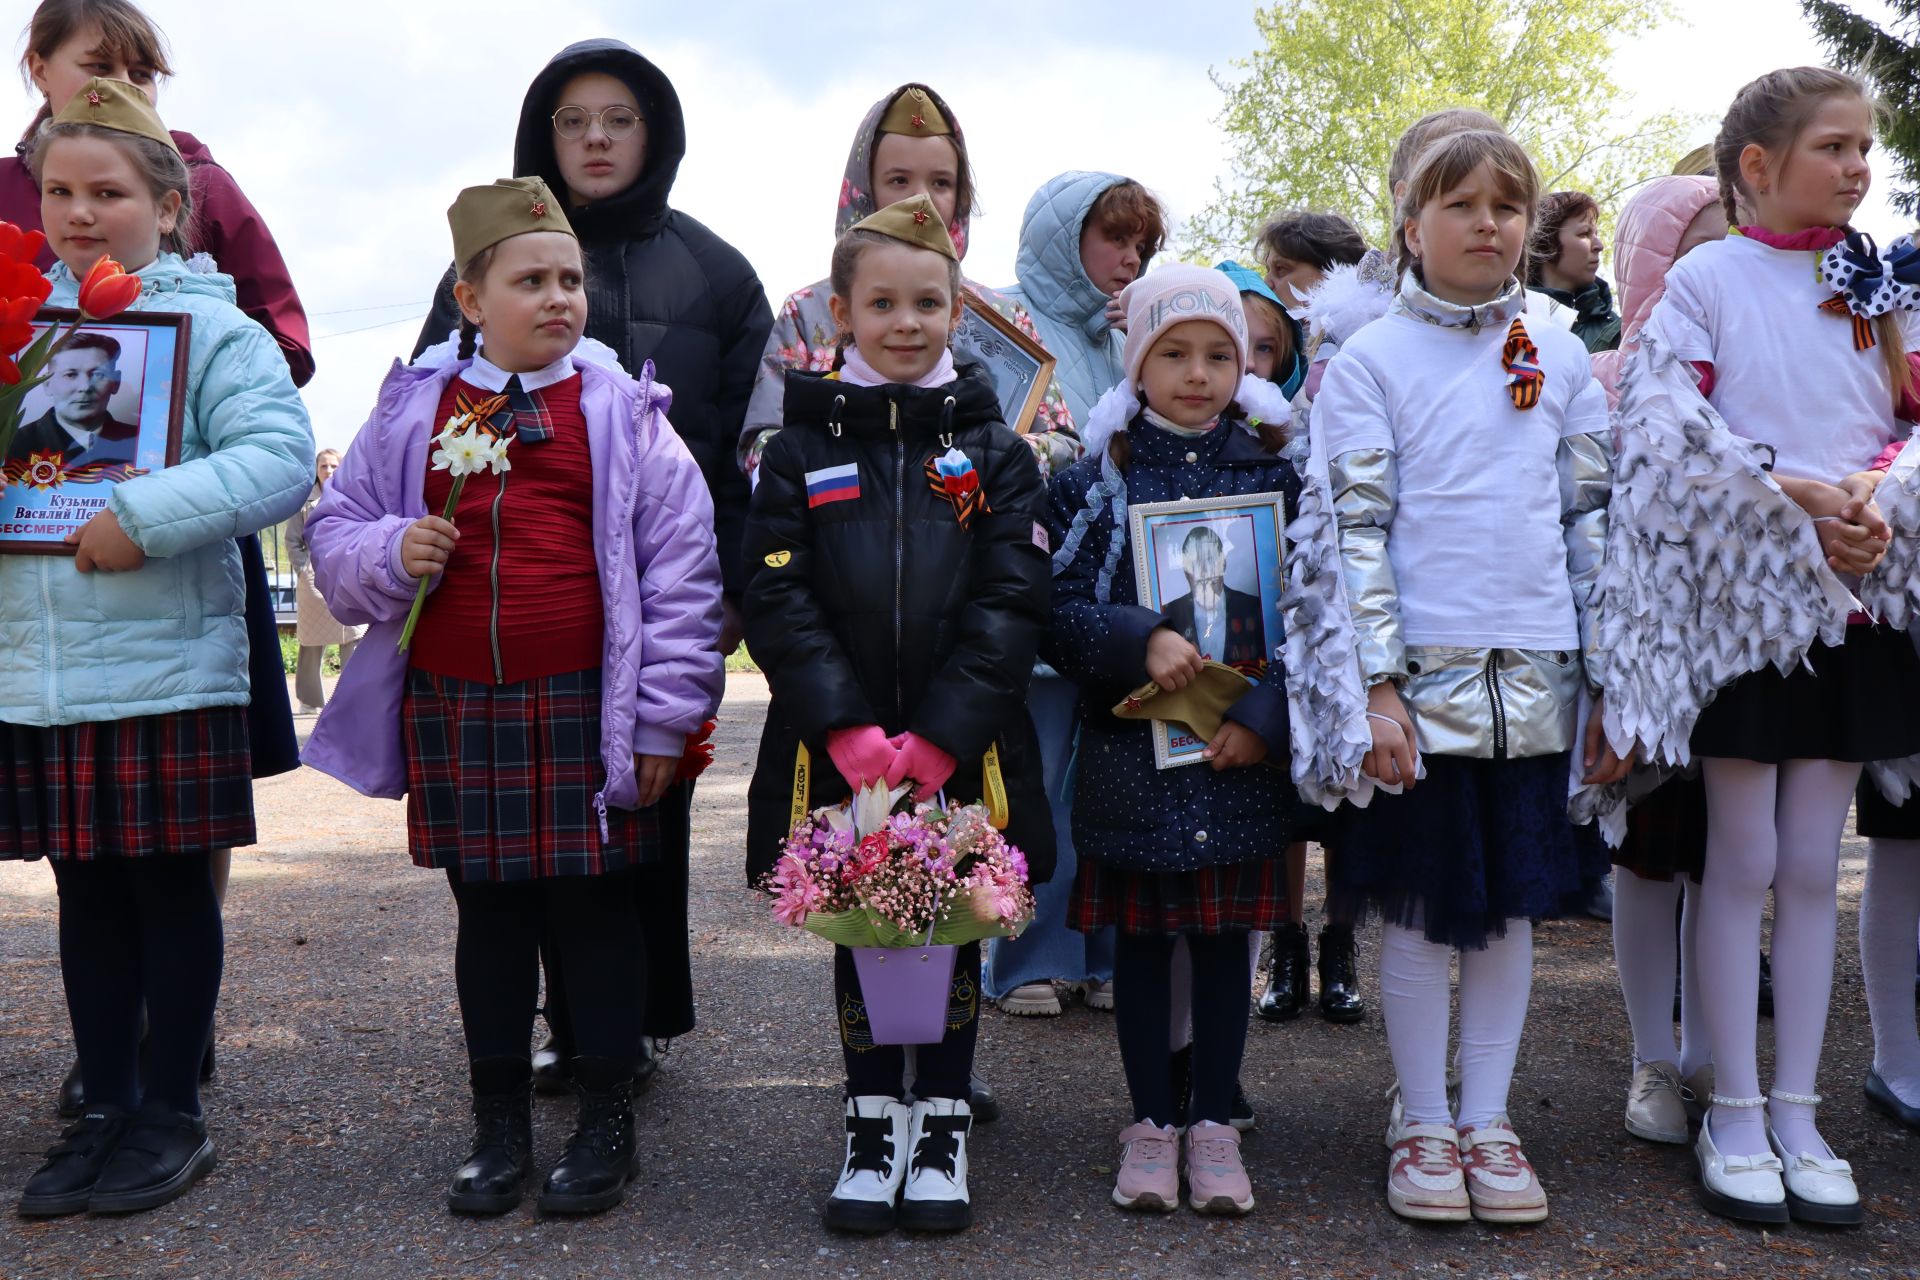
[912, 221]
[481, 217]
[914, 115]
[117, 105]
[1201, 706]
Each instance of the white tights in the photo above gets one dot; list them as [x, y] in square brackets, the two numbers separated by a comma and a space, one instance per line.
[1775, 825]
[1646, 954]
[1495, 984]
[1889, 910]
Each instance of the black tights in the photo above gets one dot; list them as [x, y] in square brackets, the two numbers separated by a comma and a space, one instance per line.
[942, 1070]
[133, 931]
[590, 922]
[1143, 1007]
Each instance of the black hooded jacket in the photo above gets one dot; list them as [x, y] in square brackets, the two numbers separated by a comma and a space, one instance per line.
[868, 602]
[660, 286]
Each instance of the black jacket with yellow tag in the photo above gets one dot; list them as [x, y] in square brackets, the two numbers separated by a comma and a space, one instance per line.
[873, 598]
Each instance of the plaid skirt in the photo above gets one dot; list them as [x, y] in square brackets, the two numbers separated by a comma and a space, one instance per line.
[143, 787]
[1207, 900]
[501, 780]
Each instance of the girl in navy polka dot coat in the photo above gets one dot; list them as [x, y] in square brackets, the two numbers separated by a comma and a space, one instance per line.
[1185, 854]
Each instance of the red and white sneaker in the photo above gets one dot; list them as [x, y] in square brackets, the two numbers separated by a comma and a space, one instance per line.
[1424, 1179]
[1500, 1180]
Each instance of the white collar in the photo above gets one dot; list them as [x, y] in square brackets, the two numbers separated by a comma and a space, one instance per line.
[82, 439]
[488, 376]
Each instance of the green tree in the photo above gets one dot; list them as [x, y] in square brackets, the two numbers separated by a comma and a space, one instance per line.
[1315, 110]
[1893, 66]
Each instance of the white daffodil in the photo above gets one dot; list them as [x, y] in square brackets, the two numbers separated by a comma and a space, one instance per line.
[462, 452]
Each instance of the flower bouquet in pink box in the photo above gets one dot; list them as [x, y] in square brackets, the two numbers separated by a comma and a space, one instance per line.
[903, 885]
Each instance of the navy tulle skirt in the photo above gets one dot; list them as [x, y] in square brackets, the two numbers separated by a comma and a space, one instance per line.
[1475, 844]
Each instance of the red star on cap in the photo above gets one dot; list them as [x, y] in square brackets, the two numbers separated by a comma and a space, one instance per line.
[920, 217]
[919, 121]
[539, 208]
[1131, 703]
[93, 97]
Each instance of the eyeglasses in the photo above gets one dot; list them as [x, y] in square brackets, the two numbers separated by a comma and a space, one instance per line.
[615, 122]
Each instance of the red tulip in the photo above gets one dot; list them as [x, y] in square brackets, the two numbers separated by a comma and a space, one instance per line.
[21, 246]
[107, 290]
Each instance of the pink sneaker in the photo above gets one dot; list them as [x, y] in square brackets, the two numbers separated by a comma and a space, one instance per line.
[1500, 1180]
[1149, 1168]
[1216, 1180]
[1424, 1178]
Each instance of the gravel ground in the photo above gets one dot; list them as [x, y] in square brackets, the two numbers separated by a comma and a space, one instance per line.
[339, 1110]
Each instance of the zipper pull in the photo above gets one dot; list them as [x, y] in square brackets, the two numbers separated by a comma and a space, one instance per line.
[600, 808]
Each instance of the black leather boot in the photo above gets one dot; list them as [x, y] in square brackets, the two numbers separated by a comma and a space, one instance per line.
[494, 1177]
[647, 1070]
[64, 1183]
[600, 1159]
[72, 1098]
[1180, 1071]
[552, 1066]
[1340, 999]
[1289, 980]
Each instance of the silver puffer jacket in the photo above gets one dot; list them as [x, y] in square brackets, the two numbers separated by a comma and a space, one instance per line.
[1482, 703]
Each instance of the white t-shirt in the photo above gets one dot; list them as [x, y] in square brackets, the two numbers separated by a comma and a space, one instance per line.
[1785, 373]
[1476, 542]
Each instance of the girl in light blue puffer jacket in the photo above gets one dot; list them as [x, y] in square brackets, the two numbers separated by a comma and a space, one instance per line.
[123, 674]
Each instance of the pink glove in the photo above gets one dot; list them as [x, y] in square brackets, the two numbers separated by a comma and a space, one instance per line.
[920, 760]
[862, 755]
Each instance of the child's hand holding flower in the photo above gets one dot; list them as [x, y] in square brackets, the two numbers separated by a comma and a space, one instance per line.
[426, 545]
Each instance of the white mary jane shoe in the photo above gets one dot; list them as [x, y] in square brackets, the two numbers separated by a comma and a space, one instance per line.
[1745, 1187]
[1819, 1189]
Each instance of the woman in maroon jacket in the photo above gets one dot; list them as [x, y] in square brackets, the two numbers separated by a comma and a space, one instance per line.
[68, 43]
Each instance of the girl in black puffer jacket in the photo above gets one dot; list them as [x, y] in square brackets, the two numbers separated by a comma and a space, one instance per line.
[897, 629]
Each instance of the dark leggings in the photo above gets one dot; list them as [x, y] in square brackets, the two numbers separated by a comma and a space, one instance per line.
[136, 930]
[1143, 1006]
[590, 922]
[942, 1070]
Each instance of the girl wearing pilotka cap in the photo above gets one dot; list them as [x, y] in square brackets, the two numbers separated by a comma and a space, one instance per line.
[564, 654]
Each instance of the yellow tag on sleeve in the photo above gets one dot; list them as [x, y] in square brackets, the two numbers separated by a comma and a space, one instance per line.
[994, 787]
[802, 785]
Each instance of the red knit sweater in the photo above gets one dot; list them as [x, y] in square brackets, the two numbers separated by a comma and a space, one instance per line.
[520, 597]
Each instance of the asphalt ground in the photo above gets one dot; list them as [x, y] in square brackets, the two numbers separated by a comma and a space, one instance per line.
[340, 1108]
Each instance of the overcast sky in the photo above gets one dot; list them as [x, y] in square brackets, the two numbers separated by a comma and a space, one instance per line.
[351, 124]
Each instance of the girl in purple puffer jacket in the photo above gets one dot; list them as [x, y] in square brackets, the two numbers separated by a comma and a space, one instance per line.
[564, 658]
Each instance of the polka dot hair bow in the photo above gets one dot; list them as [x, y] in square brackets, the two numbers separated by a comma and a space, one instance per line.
[1868, 283]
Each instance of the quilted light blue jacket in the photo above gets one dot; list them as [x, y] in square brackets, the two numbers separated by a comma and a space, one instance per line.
[170, 635]
[1067, 308]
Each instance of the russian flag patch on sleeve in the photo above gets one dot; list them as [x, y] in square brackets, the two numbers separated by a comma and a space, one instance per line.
[833, 484]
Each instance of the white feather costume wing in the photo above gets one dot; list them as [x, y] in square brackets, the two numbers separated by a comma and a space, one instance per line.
[1711, 572]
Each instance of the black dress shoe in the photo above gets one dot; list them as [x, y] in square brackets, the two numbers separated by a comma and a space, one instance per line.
[553, 1067]
[1885, 1099]
[161, 1156]
[982, 1101]
[494, 1177]
[1340, 999]
[1766, 986]
[64, 1183]
[1288, 968]
[72, 1098]
[600, 1159]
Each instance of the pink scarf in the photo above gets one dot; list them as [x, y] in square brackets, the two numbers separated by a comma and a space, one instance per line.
[861, 374]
